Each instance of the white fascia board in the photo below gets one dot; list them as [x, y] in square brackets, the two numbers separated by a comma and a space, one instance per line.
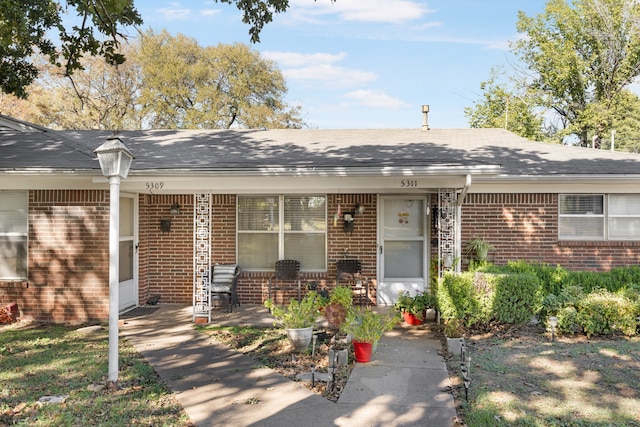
[558, 184]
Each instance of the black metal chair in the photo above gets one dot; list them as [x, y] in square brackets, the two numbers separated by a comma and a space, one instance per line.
[224, 283]
[350, 272]
[287, 270]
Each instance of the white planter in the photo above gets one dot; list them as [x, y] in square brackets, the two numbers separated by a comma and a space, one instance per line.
[454, 345]
[301, 337]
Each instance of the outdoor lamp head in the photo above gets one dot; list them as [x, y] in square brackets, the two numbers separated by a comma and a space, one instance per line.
[114, 157]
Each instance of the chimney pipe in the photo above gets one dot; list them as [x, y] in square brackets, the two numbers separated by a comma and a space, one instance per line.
[425, 117]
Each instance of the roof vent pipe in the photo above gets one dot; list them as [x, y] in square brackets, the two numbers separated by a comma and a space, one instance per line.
[425, 117]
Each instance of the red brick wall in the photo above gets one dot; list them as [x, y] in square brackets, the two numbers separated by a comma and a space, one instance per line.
[168, 265]
[525, 226]
[68, 258]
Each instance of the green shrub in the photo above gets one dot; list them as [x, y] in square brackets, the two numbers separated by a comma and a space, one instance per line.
[455, 297]
[568, 321]
[515, 298]
[602, 312]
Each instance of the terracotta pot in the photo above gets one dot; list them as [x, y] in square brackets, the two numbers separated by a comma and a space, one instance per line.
[411, 319]
[362, 351]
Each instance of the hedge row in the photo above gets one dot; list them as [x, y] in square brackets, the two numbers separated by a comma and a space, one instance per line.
[594, 303]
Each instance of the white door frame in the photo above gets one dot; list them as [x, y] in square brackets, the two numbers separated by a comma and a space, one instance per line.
[131, 284]
[413, 284]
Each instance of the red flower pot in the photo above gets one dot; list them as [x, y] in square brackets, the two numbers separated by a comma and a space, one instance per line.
[362, 351]
[411, 319]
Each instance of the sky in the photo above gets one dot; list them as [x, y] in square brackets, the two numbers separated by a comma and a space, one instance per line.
[366, 64]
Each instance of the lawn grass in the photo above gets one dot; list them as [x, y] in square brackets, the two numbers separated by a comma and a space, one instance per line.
[526, 380]
[55, 360]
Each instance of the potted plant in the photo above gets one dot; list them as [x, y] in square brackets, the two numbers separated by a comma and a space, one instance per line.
[480, 247]
[340, 300]
[453, 331]
[297, 318]
[414, 308]
[365, 327]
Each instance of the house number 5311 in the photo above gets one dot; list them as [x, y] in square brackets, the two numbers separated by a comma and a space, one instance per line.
[407, 183]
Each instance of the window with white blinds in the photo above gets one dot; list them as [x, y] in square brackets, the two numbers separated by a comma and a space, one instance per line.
[14, 229]
[282, 227]
[599, 217]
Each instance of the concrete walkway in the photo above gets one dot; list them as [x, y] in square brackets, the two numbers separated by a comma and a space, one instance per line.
[217, 386]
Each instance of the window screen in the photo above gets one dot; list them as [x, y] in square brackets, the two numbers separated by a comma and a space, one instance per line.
[599, 217]
[282, 227]
[13, 235]
[624, 216]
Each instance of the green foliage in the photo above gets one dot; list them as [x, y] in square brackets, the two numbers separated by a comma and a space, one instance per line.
[480, 247]
[186, 86]
[296, 314]
[507, 105]
[257, 13]
[602, 312]
[456, 298]
[365, 325]
[515, 298]
[583, 54]
[38, 26]
[341, 295]
[416, 304]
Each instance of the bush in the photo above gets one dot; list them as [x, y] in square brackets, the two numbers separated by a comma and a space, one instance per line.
[603, 312]
[515, 298]
[455, 297]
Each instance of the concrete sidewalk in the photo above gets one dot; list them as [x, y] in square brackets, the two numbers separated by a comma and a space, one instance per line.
[217, 386]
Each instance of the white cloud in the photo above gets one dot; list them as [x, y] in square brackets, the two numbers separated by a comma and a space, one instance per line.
[376, 99]
[327, 73]
[392, 11]
[209, 12]
[174, 12]
[319, 67]
[295, 59]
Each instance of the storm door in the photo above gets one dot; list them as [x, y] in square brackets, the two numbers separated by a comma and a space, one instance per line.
[403, 249]
[128, 290]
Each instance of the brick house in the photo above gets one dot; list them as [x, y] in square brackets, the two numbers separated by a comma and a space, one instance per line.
[401, 201]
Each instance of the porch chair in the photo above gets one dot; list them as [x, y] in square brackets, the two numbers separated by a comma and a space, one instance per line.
[350, 272]
[224, 283]
[287, 270]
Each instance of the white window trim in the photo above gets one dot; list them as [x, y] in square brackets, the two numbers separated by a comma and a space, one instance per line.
[281, 231]
[606, 217]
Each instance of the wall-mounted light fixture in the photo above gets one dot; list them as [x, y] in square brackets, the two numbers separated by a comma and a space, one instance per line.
[175, 209]
[348, 222]
[349, 217]
[165, 225]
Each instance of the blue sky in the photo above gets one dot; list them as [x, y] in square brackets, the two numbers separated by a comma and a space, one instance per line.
[367, 63]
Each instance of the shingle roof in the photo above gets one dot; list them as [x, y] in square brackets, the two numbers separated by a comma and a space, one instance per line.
[208, 150]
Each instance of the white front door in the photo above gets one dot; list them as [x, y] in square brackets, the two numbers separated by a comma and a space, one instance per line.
[403, 250]
[128, 290]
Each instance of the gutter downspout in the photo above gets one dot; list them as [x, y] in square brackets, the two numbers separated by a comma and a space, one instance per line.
[459, 201]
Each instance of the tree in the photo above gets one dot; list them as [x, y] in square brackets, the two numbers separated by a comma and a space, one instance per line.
[188, 86]
[28, 27]
[582, 57]
[508, 105]
[167, 82]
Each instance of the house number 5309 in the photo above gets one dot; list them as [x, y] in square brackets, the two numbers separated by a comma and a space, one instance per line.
[155, 185]
[406, 183]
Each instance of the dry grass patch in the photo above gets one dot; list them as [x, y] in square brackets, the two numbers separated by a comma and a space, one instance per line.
[523, 379]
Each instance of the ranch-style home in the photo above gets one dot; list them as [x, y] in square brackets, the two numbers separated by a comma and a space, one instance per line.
[400, 201]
